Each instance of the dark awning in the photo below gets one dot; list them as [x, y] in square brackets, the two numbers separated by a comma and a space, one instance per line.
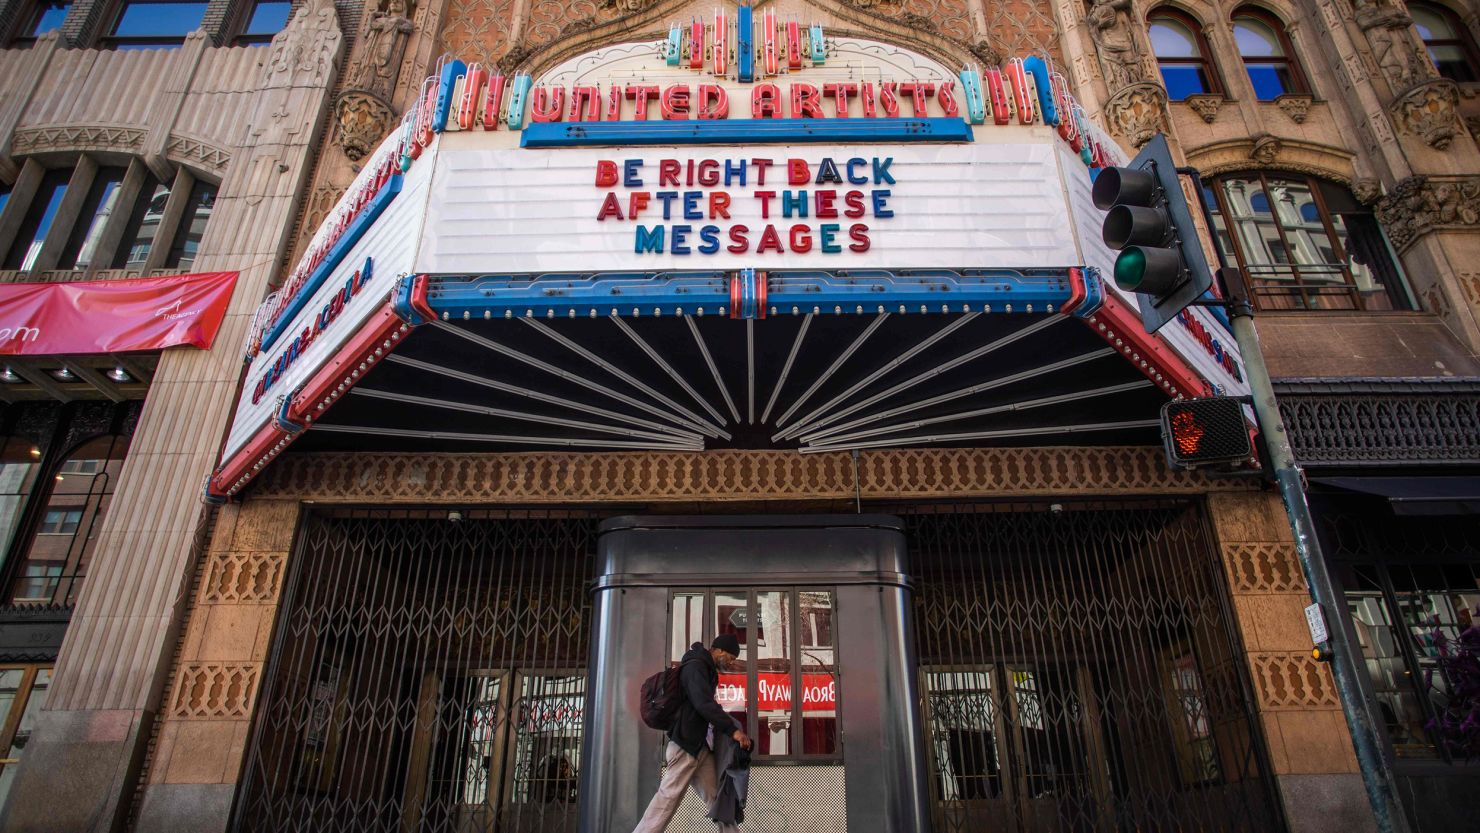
[1416, 495]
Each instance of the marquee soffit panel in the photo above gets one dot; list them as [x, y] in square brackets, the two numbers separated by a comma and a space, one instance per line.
[777, 241]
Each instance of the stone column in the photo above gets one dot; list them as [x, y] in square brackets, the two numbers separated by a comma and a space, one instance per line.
[88, 745]
[1310, 748]
[206, 715]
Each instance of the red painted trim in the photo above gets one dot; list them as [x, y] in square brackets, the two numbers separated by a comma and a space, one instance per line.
[381, 332]
[1077, 291]
[760, 294]
[735, 295]
[420, 285]
[1121, 328]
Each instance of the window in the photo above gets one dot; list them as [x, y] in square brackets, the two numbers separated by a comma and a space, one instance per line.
[37, 222]
[1448, 42]
[1267, 53]
[786, 648]
[1306, 244]
[60, 521]
[1181, 54]
[82, 246]
[22, 695]
[45, 17]
[267, 19]
[55, 562]
[192, 226]
[143, 225]
[146, 23]
[1408, 617]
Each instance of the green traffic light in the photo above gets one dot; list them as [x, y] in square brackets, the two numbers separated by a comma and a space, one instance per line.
[1130, 268]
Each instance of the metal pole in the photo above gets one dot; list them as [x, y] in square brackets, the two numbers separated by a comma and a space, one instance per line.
[1360, 720]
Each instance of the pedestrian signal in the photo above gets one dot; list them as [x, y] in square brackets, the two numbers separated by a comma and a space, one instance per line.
[1199, 432]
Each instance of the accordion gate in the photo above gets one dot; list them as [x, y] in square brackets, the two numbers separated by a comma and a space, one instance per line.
[1079, 671]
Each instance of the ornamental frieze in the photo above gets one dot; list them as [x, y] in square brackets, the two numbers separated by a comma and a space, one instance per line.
[1421, 204]
[1429, 111]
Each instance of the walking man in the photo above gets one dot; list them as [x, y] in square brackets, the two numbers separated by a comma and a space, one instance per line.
[690, 753]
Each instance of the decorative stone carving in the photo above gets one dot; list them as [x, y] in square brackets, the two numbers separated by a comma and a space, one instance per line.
[1294, 105]
[1205, 105]
[73, 137]
[1136, 112]
[1429, 111]
[516, 56]
[1367, 191]
[984, 51]
[1389, 31]
[380, 53]
[364, 120]
[635, 6]
[1420, 204]
[1111, 27]
[197, 153]
[1265, 149]
[304, 51]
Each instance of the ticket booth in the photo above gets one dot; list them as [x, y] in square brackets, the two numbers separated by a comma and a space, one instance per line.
[825, 682]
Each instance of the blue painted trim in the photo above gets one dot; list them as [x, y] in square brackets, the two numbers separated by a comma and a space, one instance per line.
[745, 131]
[1094, 293]
[744, 46]
[644, 294]
[209, 497]
[280, 417]
[347, 241]
[1035, 66]
[446, 82]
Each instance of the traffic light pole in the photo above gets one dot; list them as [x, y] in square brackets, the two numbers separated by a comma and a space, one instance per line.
[1345, 666]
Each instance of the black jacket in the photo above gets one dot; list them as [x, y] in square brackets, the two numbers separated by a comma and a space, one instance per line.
[699, 677]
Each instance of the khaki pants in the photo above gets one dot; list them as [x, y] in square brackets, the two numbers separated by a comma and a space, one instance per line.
[684, 770]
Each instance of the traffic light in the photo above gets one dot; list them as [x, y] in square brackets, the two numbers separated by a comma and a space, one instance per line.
[1199, 432]
[1150, 224]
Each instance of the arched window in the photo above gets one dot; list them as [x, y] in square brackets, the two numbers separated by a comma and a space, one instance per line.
[1267, 54]
[1448, 42]
[1181, 54]
[1305, 243]
[67, 526]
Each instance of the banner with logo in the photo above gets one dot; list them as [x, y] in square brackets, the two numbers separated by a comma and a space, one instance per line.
[115, 316]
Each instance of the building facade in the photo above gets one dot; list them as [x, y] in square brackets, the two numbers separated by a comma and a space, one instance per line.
[565, 334]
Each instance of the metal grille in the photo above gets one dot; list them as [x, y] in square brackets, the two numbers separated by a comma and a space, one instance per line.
[428, 675]
[1079, 672]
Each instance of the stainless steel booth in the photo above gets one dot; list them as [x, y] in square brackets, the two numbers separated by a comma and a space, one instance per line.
[826, 683]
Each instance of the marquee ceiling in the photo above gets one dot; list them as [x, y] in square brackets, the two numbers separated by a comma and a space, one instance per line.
[813, 382]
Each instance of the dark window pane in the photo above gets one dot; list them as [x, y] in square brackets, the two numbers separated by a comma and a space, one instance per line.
[1451, 62]
[1183, 80]
[1270, 80]
[88, 230]
[192, 226]
[38, 219]
[159, 20]
[48, 17]
[143, 226]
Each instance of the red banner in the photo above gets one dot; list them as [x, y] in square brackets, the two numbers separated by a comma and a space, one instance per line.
[113, 316]
[819, 692]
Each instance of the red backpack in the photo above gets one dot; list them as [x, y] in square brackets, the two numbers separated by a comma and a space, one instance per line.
[660, 697]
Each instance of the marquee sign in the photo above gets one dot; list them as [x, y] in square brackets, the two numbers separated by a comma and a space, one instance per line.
[743, 165]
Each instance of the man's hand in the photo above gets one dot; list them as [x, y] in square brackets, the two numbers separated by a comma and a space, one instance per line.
[743, 739]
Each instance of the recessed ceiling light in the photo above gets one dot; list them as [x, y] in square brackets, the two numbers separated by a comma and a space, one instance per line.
[62, 374]
[10, 377]
[119, 375]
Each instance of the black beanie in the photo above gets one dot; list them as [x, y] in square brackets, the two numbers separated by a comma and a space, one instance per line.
[728, 643]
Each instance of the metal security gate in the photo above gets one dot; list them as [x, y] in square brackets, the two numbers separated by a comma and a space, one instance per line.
[1080, 672]
[428, 676]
